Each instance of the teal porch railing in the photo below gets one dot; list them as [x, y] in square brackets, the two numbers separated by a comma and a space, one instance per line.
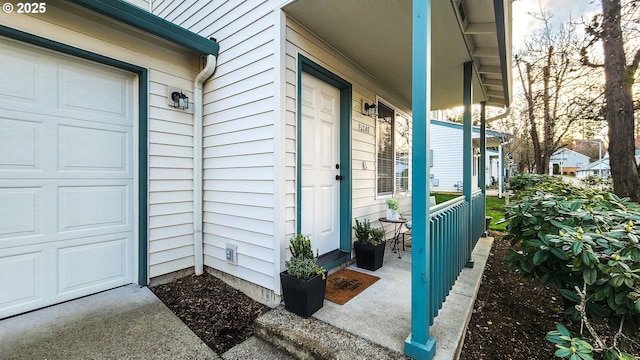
[452, 241]
[478, 205]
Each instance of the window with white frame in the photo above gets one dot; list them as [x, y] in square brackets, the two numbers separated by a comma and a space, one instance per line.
[385, 160]
[393, 149]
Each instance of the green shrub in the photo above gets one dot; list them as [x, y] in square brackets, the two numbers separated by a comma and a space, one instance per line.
[302, 263]
[596, 182]
[362, 230]
[377, 236]
[368, 235]
[583, 242]
[527, 182]
[579, 240]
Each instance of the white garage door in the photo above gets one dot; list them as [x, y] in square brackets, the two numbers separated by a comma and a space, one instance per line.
[66, 178]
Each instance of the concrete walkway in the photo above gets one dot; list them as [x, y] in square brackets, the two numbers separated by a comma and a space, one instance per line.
[129, 322]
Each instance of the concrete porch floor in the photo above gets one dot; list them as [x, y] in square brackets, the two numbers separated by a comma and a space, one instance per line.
[375, 323]
[382, 312]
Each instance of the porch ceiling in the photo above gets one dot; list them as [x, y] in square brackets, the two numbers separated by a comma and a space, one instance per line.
[376, 35]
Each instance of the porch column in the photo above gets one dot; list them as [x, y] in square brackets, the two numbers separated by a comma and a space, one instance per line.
[482, 175]
[501, 169]
[419, 345]
[467, 152]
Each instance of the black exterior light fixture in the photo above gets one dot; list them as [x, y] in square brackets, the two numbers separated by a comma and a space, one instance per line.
[370, 110]
[180, 100]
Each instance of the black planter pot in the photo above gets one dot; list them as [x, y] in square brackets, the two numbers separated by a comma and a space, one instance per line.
[368, 256]
[303, 297]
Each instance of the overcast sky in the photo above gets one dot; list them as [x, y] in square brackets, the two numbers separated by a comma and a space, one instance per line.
[561, 10]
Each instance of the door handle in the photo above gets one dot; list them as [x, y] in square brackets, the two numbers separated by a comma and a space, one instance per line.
[338, 177]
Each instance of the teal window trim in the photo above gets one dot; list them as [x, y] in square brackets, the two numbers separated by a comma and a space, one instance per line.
[310, 67]
[147, 22]
[143, 90]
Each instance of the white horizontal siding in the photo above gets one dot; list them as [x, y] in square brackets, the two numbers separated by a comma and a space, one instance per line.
[239, 140]
[446, 143]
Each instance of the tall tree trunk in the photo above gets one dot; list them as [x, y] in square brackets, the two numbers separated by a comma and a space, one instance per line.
[619, 105]
[547, 123]
[533, 126]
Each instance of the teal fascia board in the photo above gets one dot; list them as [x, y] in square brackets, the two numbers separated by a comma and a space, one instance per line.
[143, 114]
[132, 15]
[308, 66]
[498, 6]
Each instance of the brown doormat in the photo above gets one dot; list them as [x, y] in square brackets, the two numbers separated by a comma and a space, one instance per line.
[345, 284]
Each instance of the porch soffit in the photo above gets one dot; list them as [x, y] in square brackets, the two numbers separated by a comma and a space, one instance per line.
[376, 35]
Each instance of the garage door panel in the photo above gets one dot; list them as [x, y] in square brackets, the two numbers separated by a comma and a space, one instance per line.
[18, 69]
[108, 98]
[19, 144]
[21, 212]
[90, 149]
[96, 264]
[22, 274]
[93, 207]
[66, 177]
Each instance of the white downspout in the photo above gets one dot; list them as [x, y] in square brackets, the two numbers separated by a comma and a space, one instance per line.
[198, 104]
[501, 168]
[498, 117]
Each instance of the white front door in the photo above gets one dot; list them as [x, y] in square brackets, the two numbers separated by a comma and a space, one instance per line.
[66, 178]
[320, 145]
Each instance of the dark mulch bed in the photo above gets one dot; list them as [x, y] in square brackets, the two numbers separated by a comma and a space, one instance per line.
[512, 315]
[219, 314]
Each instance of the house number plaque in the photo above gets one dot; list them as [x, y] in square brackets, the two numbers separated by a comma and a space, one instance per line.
[363, 128]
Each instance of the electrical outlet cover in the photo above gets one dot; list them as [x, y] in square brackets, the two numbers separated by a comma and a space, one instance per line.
[231, 253]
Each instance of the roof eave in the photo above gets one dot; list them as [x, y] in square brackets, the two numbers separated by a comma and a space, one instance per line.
[134, 16]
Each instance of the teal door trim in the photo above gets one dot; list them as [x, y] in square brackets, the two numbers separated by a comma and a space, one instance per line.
[310, 67]
[419, 345]
[143, 85]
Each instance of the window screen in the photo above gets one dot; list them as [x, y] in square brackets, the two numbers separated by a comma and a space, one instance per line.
[402, 145]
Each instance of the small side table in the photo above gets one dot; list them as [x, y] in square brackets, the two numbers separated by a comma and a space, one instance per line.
[397, 231]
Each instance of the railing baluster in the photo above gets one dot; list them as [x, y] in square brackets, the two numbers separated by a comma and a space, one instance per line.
[450, 246]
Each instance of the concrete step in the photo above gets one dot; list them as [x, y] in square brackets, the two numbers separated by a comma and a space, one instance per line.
[314, 339]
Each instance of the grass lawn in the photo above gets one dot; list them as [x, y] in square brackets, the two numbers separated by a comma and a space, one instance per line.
[495, 208]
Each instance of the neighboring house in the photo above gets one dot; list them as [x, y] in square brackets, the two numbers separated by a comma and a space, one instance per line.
[568, 161]
[447, 156]
[597, 168]
[118, 166]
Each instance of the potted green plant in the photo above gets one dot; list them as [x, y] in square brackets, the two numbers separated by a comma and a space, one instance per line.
[393, 209]
[304, 281]
[369, 245]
